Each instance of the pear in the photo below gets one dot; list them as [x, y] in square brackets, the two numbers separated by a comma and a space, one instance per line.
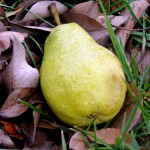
[80, 79]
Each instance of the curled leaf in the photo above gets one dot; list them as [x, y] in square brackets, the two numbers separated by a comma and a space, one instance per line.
[12, 107]
[8, 36]
[77, 142]
[89, 8]
[18, 73]
[40, 9]
[108, 135]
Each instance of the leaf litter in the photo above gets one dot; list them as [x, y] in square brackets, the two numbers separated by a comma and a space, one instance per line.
[20, 80]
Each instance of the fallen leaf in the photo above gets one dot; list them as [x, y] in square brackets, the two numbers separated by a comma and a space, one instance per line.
[143, 61]
[102, 38]
[36, 117]
[108, 135]
[8, 36]
[12, 100]
[89, 8]
[116, 21]
[13, 111]
[47, 124]
[27, 5]
[77, 142]
[126, 110]
[138, 8]
[13, 130]
[18, 73]
[34, 30]
[84, 21]
[13, 108]
[2, 27]
[41, 135]
[40, 9]
[5, 141]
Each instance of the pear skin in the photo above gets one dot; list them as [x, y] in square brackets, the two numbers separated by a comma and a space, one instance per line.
[80, 79]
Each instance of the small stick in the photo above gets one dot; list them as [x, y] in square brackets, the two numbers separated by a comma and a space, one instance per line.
[55, 14]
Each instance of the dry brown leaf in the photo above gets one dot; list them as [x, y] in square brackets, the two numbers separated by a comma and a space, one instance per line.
[12, 107]
[2, 27]
[116, 21]
[138, 8]
[22, 93]
[13, 111]
[8, 36]
[89, 8]
[18, 73]
[143, 61]
[27, 5]
[47, 124]
[36, 117]
[41, 135]
[34, 30]
[126, 111]
[84, 21]
[77, 142]
[28, 129]
[108, 135]
[102, 37]
[41, 10]
[5, 141]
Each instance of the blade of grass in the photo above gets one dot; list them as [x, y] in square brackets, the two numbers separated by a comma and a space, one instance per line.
[35, 108]
[140, 40]
[138, 102]
[63, 141]
[118, 47]
[91, 135]
[140, 34]
[6, 6]
[134, 142]
[38, 45]
[86, 140]
[95, 137]
[135, 70]
[143, 78]
[30, 54]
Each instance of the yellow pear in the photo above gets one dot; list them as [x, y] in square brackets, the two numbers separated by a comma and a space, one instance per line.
[80, 79]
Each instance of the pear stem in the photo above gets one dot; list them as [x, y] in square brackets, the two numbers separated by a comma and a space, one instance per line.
[55, 14]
